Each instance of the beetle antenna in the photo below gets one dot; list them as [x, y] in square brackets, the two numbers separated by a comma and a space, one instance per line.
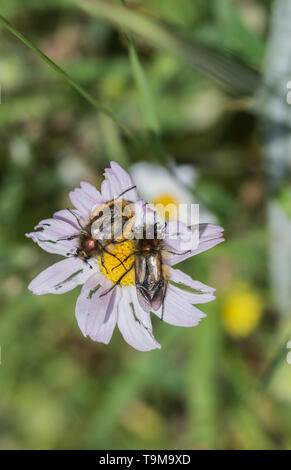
[77, 219]
[129, 189]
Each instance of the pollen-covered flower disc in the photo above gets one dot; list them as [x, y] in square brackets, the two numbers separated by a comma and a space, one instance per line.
[107, 270]
[114, 270]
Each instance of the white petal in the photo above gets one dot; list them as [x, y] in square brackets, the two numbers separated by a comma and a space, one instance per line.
[106, 191]
[180, 277]
[96, 316]
[60, 277]
[141, 315]
[120, 182]
[53, 235]
[106, 328]
[113, 182]
[85, 198]
[72, 217]
[178, 309]
[91, 191]
[187, 174]
[207, 235]
[135, 328]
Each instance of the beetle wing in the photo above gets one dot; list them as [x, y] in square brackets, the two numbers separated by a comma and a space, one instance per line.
[143, 300]
[159, 296]
[150, 283]
[140, 282]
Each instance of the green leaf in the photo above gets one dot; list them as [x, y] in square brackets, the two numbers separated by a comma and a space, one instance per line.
[144, 91]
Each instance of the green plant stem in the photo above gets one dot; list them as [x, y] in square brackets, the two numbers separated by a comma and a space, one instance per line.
[274, 365]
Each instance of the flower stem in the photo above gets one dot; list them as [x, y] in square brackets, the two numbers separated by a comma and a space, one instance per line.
[273, 366]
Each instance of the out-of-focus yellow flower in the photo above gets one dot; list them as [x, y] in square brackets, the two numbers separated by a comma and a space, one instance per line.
[241, 311]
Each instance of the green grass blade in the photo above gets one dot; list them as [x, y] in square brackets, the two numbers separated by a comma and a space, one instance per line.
[146, 99]
[273, 367]
[147, 106]
[99, 106]
[113, 143]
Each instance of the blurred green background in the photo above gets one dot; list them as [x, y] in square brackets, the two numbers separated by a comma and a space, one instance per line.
[225, 384]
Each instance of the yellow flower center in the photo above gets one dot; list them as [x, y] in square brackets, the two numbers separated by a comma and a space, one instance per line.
[113, 269]
[166, 206]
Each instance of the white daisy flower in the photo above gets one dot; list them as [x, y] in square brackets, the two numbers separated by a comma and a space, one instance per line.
[109, 294]
[172, 188]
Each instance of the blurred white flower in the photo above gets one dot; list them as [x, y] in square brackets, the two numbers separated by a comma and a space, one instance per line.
[71, 169]
[159, 185]
[20, 152]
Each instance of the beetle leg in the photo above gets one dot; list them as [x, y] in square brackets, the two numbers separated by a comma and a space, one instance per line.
[114, 256]
[69, 238]
[162, 316]
[125, 259]
[117, 282]
[103, 264]
[117, 242]
[177, 252]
